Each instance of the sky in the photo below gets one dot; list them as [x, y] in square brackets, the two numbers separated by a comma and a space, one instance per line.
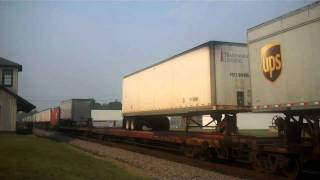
[78, 49]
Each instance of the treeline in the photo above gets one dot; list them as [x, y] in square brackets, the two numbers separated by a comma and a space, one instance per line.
[115, 105]
[21, 115]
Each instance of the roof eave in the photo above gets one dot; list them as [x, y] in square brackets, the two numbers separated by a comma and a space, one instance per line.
[19, 67]
[22, 104]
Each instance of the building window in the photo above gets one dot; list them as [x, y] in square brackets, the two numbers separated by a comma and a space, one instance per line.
[7, 77]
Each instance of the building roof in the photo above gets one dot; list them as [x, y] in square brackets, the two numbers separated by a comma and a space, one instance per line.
[7, 63]
[22, 104]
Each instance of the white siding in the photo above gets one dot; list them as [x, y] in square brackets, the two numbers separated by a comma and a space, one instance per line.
[8, 104]
[8, 112]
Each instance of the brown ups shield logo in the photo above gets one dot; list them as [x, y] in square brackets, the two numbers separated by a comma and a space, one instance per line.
[271, 61]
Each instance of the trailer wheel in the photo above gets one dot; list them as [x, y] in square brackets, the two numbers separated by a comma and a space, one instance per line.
[137, 124]
[124, 124]
[157, 123]
[131, 124]
[162, 124]
[128, 124]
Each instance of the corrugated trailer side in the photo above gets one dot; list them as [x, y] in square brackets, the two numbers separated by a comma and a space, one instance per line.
[44, 116]
[166, 87]
[76, 111]
[81, 109]
[210, 77]
[66, 110]
[284, 61]
[55, 116]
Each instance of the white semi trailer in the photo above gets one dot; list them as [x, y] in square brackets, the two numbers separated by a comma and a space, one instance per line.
[106, 118]
[212, 78]
[76, 112]
[284, 63]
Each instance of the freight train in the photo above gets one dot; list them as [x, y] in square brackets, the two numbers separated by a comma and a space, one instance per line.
[74, 113]
[275, 72]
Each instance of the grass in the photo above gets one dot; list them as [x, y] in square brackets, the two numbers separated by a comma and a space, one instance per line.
[258, 132]
[30, 157]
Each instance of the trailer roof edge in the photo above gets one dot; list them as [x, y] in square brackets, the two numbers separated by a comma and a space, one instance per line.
[184, 52]
[288, 14]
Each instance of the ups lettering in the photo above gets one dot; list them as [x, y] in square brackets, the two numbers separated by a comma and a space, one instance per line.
[271, 61]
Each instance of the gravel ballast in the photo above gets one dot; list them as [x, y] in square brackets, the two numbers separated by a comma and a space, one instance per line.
[152, 167]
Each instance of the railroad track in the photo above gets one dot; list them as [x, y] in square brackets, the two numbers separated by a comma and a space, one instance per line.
[235, 169]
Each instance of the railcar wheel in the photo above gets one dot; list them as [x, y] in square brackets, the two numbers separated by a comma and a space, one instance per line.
[188, 151]
[257, 166]
[222, 153]
[291, 168]
[272, 163]
[204, 152]
[195, 152]
[256, 163]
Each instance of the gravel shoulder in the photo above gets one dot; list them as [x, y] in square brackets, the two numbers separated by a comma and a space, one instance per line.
[141, 164]
[131, 169]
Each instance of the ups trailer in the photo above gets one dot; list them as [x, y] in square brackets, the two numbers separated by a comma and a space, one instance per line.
[284, 65]
[212, 78]
[284, 61]
[76, 112]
